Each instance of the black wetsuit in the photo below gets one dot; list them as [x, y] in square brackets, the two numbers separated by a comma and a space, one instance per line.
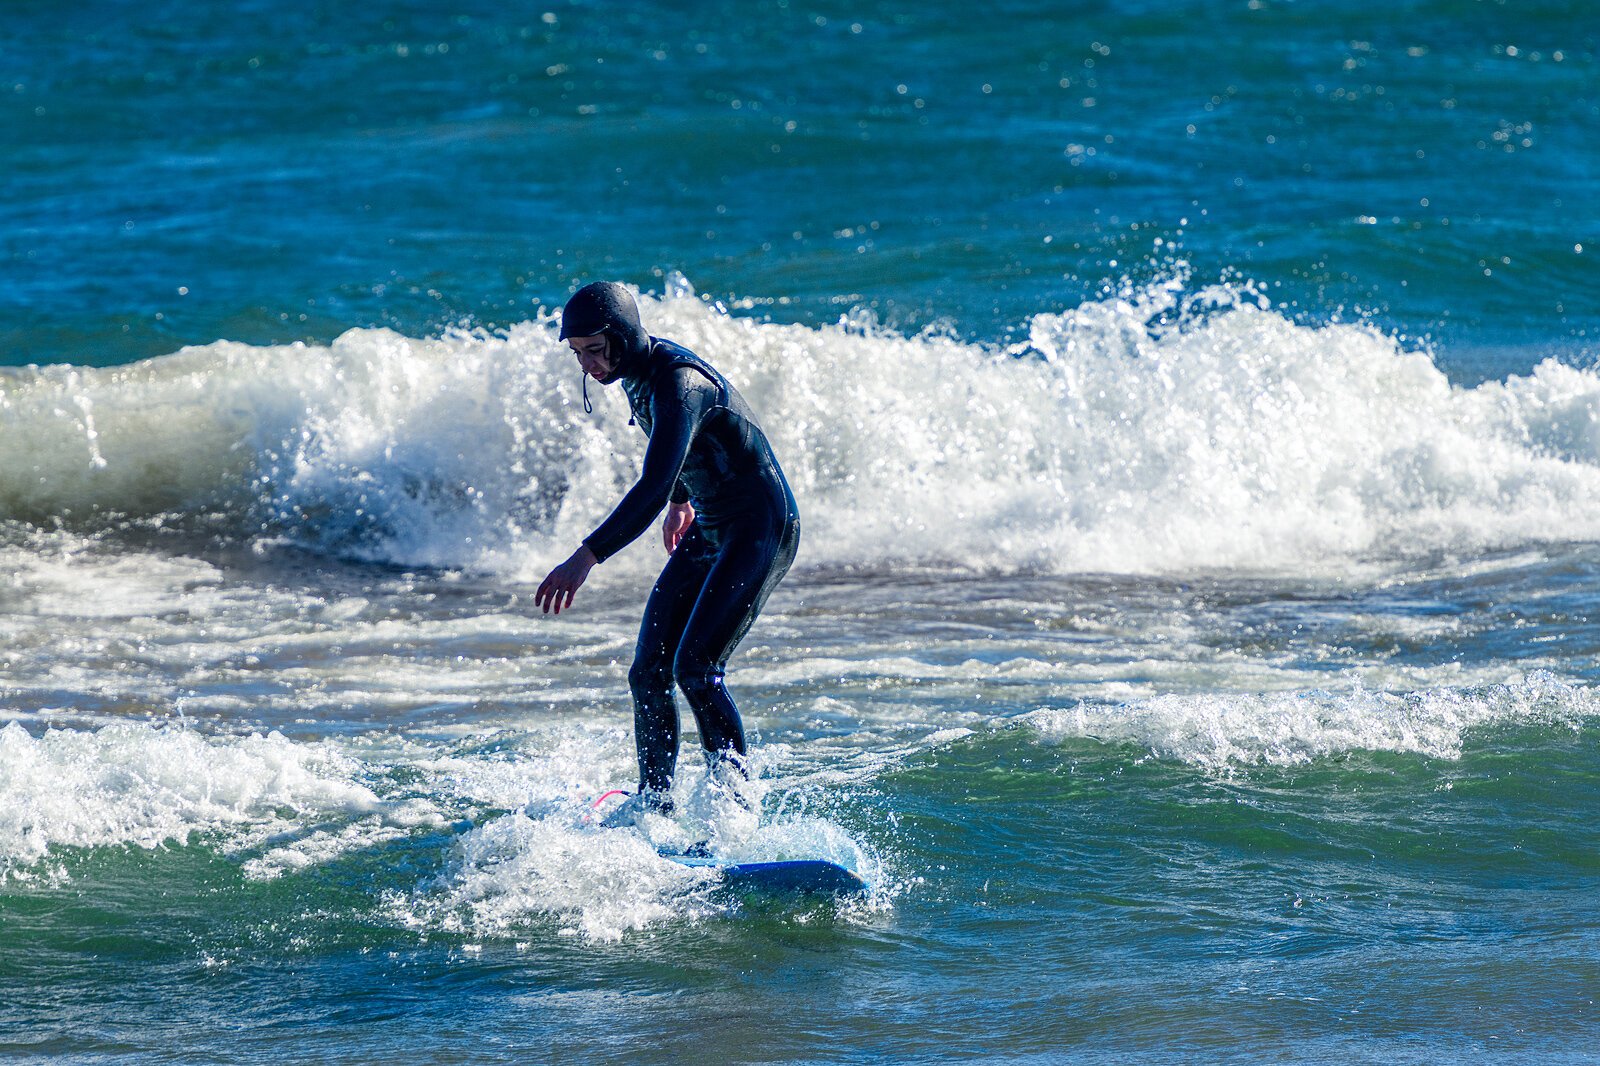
[705, 448]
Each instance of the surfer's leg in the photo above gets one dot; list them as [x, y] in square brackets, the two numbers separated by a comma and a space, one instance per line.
[655, 714]
[735, 589]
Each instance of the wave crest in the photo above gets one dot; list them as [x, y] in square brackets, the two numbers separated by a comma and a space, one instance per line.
[1160, 429]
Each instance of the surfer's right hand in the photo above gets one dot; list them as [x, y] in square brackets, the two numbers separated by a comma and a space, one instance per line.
[558, 587]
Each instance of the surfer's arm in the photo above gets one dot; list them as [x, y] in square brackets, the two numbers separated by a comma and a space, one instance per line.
[675, 414]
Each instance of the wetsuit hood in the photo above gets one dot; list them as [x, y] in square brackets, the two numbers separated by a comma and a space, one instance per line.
[604, 307]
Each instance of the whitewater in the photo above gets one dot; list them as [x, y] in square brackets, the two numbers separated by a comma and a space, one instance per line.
[1161, 429]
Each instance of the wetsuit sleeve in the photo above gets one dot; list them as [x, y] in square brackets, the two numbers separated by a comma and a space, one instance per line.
[679, 405]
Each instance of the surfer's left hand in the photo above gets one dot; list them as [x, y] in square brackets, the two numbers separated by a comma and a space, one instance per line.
[680, 516]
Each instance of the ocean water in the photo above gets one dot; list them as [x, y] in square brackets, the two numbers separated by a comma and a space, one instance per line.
[1194, 412]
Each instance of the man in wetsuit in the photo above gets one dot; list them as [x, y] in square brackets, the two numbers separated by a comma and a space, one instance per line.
[731, 531]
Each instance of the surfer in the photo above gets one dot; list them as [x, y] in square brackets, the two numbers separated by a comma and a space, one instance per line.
[731, 530]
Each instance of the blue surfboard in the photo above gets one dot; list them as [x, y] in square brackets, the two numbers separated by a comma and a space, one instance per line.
[816, 877]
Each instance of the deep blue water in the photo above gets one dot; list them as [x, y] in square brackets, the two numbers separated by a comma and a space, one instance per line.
[1193, 411]
[182, 173]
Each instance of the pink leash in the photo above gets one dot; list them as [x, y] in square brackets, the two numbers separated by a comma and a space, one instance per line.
[588, 819]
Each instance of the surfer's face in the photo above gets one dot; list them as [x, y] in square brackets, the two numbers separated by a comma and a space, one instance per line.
[594, 355]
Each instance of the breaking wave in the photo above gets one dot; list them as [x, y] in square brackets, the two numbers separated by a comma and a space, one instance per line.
[1164, 429]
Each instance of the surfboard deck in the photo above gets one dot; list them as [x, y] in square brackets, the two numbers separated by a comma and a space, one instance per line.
[816, 877]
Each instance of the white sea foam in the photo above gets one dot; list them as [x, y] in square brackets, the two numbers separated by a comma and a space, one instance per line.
[1224, 730]
[596, 883]
[557, 865]
[1160, 430]
[279, 807]
[139, 785]
[551, 861]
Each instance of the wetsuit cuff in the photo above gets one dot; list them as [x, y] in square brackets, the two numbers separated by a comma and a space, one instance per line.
[599, 556]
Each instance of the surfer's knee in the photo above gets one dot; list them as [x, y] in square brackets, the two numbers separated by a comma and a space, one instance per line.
[699, 679]
[648, 677]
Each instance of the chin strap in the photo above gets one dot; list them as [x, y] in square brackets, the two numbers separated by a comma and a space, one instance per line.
[588, 408]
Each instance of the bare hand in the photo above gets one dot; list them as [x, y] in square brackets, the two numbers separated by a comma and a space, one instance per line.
[680, 516]
[555, 592]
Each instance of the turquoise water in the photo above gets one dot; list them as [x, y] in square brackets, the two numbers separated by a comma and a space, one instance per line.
[420, 164]
[1192, 407]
